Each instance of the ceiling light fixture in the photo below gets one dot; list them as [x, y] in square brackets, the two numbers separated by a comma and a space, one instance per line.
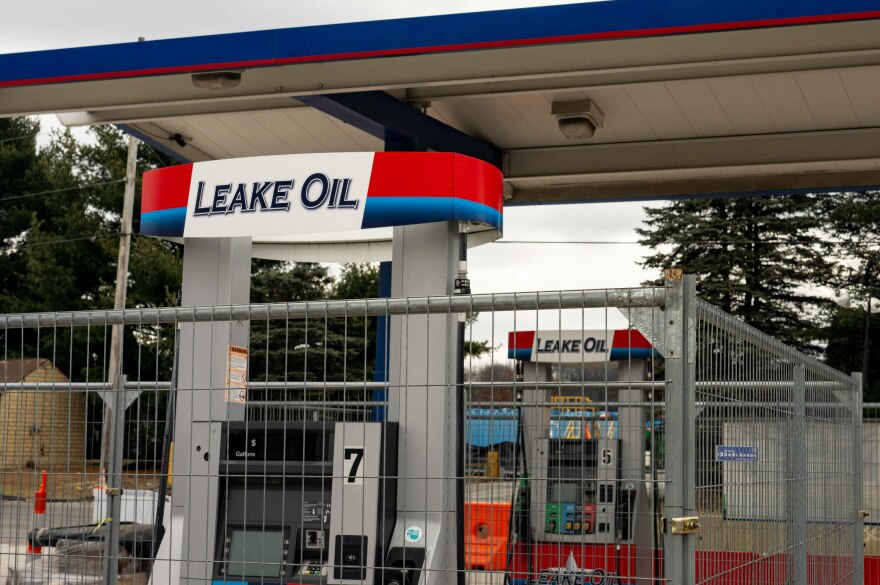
[578, 119]
[217, 79]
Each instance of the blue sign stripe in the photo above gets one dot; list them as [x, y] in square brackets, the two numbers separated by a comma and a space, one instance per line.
[636, 353]
[519, 354]
[434, 33]
[164, 222]
[387, 211]
[478, 212]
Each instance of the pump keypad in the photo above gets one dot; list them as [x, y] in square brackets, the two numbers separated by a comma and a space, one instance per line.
[570, 518]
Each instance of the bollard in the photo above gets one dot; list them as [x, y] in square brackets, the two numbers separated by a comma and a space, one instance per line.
[39, 517]
[492, 464]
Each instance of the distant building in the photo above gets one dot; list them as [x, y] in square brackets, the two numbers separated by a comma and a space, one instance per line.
[43, 428]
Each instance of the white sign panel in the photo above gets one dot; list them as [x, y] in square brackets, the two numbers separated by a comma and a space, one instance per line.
[571, 346]
[328, 191]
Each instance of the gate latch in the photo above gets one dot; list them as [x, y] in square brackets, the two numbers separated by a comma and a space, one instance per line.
[685, 525]
[864, 514]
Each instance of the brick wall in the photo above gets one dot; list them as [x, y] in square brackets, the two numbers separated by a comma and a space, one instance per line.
[45, 429]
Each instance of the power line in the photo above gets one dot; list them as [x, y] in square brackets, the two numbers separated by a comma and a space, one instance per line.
[92, 238]
[64, 190]
[679, 242]
[22, 137]
[585, 242]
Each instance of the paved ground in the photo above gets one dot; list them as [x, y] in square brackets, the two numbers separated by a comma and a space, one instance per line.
[16, 517]
[11, 556]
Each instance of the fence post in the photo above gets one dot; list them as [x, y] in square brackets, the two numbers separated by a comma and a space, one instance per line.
[681, 327]
[796, 495]
[859, 524]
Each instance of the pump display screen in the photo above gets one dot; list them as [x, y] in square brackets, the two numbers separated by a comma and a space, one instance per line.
[255, 553]
[564, 492]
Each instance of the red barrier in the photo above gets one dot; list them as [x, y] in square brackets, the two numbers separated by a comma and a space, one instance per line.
[872, 570]
[529, 560]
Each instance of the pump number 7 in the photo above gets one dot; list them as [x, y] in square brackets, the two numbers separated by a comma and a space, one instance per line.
[353, 471]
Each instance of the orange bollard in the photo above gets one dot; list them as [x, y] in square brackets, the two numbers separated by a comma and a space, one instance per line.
[487, 533]
[39, 517]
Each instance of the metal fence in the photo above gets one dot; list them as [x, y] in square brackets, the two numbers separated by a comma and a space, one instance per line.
[310, 449]
[777, 444]
[871, 489]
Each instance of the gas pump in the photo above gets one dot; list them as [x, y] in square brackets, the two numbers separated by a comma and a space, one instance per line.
[577, 473]
[305, 502]
[587, 485]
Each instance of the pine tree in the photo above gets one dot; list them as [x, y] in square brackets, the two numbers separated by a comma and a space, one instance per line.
[853, 221]
[21, 174]
[316, 349]
[59, 235]
[758, 258]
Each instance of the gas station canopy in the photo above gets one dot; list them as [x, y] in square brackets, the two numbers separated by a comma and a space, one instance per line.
[578, 101]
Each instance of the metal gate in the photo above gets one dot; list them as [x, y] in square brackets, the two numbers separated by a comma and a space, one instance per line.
[578, 449]
[777, 453]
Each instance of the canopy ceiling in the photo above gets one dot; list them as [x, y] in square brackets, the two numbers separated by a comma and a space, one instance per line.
[711, 112]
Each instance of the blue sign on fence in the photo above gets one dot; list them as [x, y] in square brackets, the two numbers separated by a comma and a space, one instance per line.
[735, 453]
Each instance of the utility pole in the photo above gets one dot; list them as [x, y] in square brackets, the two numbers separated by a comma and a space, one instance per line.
[114, 396]
[115, 359]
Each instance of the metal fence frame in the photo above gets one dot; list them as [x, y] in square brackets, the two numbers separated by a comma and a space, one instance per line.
[678, 333]
[312, 310]
[820, 395]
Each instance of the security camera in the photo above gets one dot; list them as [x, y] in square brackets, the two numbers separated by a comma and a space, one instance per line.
[578, 119]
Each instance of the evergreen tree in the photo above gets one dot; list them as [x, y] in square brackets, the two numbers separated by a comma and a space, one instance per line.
[317, 349]
[758, 258]
[474, 348]
[60, 210]
[844, 352]
[21, 177]
[853, 221]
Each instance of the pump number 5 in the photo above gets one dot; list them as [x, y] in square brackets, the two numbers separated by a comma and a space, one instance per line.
[352, 469]
[606, 456]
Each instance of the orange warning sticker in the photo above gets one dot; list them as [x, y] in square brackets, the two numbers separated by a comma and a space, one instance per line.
[236, 374]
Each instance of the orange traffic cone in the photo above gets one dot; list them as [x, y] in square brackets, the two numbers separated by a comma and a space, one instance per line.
[39, 517]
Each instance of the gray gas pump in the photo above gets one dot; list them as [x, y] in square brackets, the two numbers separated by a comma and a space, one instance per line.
[588, 483]
[305, 502]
